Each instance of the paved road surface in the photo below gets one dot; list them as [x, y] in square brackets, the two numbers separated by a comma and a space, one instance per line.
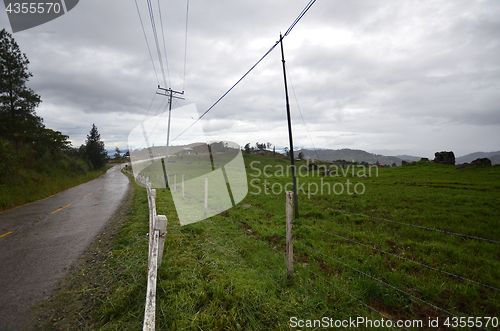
[41, 240]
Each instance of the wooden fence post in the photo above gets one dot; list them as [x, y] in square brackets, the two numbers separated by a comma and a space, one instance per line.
[289, 233]
[152, 216]
[206, 195]
[161, 224]
[157, 234]
[149, 311]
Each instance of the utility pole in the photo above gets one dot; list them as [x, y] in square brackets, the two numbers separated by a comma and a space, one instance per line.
[294, 177]
[170, 94]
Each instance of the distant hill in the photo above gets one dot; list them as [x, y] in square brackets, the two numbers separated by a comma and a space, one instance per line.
[349, 155]
[471, 157]
[495, 159]
[409, 158]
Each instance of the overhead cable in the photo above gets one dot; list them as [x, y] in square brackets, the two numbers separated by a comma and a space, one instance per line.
[260, 60]
[153, 26]
[164, 44]
[147, 43]
[300, 112]
[185, 44]
[304, 11]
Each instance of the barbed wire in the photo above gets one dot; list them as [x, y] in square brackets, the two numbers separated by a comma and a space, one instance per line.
[403, 258]
[349, 294]
[408, 224]
[376, 279]
[344, 291]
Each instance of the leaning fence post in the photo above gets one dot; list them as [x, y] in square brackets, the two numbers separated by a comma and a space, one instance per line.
[206, 195]
[183, 186]
[289, 233]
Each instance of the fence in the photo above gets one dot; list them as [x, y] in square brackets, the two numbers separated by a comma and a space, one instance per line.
[157, 234]
[159, 230]
[289, 257]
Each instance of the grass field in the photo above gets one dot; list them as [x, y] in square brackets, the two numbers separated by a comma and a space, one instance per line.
[375, 254]
[31, 185]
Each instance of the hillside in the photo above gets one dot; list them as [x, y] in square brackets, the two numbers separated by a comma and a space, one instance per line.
[413, 243]
[349, 155]
[471, 157]
[409, 158]
[495, 159]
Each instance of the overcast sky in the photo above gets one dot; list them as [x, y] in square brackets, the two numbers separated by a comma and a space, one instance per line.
[389, 77]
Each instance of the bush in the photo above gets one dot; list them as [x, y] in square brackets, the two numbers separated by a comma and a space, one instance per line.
[9, 161]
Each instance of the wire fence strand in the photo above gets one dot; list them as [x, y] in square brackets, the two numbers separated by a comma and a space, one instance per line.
[408, 224]
[403, 258]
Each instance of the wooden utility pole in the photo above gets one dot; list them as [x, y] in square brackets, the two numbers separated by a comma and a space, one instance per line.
[170, 94]
[289, 234]
[294, 177]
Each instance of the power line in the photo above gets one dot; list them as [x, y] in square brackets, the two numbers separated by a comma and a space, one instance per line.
[300, 112]
[149, 108]
[309, 5]
[153, 27]
[147, 43]
[164, 44]
[239, 80]
[185, 45]
[304, 11]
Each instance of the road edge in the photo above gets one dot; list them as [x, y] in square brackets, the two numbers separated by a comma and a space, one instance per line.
[95, 254]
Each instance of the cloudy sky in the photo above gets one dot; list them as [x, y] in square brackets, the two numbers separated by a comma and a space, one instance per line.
[390, 77]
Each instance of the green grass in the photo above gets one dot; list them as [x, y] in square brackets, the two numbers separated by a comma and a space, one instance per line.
[228, 272]
[31, 185]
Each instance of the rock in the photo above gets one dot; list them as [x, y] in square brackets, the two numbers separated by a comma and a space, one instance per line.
[481, 162]
[447, 158]
[424, 159]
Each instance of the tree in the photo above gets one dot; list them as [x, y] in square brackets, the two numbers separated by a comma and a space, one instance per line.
[247, 148]
[18, 119]
[117, 153]
[301, 156]
[94, 149]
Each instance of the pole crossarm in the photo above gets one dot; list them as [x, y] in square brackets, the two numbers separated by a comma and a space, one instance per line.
[168, 92]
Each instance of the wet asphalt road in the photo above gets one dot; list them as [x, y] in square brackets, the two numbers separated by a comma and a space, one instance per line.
[41, 240]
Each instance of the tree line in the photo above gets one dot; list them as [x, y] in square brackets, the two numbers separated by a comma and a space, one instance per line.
[249, 149]
[24, 140]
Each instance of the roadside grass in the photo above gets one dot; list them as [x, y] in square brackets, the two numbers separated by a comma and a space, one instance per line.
[31, 185]
[228, 272]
